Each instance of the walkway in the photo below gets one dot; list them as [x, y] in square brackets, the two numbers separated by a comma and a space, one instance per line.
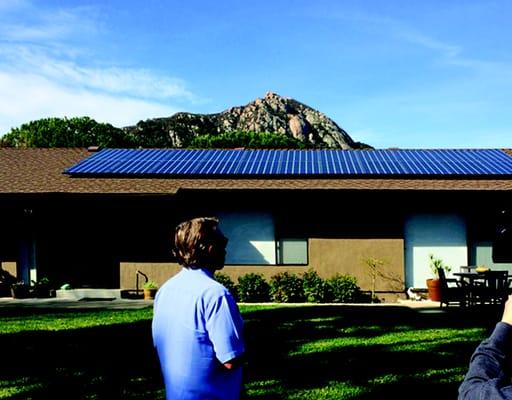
[118, 304]
[125, 304]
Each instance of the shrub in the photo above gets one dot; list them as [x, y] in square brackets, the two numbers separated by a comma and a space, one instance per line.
[316, 289]
[150, 285]
[344, 288]
[252, 140]
[252, 288]
[42, 288]
[226, 281]
[286, 288]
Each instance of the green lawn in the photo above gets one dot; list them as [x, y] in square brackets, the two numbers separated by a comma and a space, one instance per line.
[295, 352]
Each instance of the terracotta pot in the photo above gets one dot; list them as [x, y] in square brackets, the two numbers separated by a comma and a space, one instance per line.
[20, 291]
[149, 294]
[434, 289]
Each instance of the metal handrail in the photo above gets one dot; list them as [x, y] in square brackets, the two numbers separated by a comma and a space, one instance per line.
[137, 273]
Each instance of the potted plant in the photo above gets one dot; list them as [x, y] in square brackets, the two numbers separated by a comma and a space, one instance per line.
[433, 284]
[150, 288]
[42, 288]
[20, 290]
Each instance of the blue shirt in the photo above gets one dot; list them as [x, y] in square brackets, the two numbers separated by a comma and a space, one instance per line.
[489, 374]
[196, 328]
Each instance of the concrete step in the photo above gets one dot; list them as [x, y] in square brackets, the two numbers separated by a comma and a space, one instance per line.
[79, 294]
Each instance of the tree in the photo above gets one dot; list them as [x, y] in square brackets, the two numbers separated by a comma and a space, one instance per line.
[252, 140]
[374, 265]
[66, 132]
[375, 270]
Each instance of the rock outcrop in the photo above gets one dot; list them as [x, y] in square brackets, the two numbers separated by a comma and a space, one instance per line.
[272, 113]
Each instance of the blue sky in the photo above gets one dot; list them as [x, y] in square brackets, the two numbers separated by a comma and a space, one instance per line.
[430, 74]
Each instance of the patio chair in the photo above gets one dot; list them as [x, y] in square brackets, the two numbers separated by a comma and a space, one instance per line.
[449, 292]
[502, 287]
[494, 289]
[467, 268]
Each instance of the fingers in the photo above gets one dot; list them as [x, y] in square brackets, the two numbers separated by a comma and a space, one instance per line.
[507, 312]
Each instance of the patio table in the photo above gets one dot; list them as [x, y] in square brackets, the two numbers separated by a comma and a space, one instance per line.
[482, 287]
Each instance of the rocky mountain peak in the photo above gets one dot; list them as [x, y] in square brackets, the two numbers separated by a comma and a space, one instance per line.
[272, 113]
[272, 96]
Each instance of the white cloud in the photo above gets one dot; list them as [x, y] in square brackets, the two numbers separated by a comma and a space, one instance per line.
[43, 71]
[452, 55]
[24, 21]
[27, 97]
[127, 81]
[442, 51]
[36, 86]
[6, 5]
[448, 50]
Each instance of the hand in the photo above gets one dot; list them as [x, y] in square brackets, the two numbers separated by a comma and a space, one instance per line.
[507, 312]
[234, 363]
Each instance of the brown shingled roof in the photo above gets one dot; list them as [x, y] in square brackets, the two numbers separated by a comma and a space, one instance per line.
[26, 171]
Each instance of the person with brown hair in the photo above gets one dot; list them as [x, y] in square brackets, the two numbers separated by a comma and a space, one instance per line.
[197, 327]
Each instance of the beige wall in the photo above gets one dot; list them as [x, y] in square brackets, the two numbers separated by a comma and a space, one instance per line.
[9, 266]
[346, 256]
[326, 256]
[158, 272]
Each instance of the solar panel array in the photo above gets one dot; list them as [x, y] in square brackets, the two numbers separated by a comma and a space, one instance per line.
[183, 162]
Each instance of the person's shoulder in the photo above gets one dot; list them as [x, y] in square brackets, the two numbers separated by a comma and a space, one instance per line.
[168, 283]
[215, 290]
[173, 280]
[171, 283]
[216, 287]
[216, 297]
[206, 281]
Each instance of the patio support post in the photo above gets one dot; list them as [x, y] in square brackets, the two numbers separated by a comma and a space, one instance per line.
[26, 268]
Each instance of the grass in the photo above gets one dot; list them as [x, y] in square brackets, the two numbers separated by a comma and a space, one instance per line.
[60, 321]
[294, 352]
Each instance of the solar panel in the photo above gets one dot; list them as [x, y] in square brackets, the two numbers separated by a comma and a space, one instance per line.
[184, 162]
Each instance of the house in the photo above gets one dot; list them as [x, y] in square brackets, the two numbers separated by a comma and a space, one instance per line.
[92, 219]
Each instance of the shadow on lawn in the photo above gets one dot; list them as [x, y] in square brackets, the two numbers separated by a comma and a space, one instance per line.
[106, 362]
[118, 361]
[396, 370]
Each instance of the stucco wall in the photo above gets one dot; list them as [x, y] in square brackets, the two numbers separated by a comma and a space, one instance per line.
[327, 256]
[160, 272]
[442, 234]
[9, 266]
[346, 256]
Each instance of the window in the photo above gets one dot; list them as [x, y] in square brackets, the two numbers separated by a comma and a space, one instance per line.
[251, 237]
[252, 241]
[292, 251]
